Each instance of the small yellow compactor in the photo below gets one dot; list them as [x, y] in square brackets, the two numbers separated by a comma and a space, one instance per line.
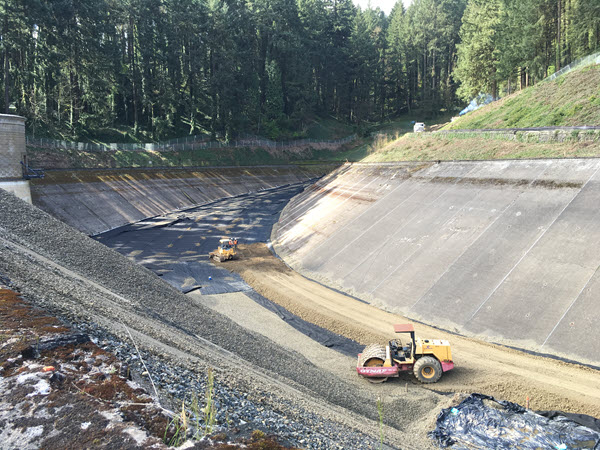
[227, 249]
[426, 358]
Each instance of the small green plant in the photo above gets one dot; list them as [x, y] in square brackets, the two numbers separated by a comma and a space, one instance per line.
[210, 414]
[380, 412]
[257, 435]
[195, 407]
[180, 423]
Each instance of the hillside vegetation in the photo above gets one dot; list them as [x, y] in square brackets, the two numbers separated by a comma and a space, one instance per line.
[573, 99]
[432, 147]
[122, 71]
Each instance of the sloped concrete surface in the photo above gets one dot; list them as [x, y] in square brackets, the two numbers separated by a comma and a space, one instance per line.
[503, 250]
[94, 201]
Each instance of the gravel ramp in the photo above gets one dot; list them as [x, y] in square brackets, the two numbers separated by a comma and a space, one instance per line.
[69, 273]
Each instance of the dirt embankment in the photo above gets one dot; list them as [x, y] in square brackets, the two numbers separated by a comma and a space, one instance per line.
[480, 367]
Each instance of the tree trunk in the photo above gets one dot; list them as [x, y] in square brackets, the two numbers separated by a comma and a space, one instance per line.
[494, 85]
[284, 89]
[6, 82]
[6, 62]
[262, 74]
[424, 76]
[131, 49]
[558, 37]
[74, 86]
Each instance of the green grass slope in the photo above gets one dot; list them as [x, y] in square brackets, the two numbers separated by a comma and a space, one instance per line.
[449, 147]
[570, 100]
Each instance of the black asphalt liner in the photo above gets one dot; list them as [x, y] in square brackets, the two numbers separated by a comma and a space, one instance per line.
[209, 279]
[324, 337]
[218, 285]
[131, 227]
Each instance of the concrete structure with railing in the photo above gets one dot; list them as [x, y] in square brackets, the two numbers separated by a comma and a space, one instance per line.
[13, 156]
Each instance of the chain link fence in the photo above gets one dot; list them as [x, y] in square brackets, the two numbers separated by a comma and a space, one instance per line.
[181, 144]
[585, 61]
[10, 168]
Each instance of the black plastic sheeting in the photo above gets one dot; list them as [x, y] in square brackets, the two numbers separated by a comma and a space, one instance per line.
[482, 422]
[316, 333]
[175, 247]
[203, 276]
[582, 419]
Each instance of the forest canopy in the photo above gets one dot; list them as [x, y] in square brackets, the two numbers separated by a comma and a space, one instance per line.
[227, 67]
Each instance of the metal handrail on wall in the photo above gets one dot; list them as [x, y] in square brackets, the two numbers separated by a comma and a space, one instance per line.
[176, 145]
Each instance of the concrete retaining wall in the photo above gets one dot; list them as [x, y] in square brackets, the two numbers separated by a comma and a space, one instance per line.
[20, 188]
[507, 251]
[96, 201]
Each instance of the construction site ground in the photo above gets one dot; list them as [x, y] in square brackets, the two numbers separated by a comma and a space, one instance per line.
[258, 382]
[482, 367]
[505, 373]
[204, 315]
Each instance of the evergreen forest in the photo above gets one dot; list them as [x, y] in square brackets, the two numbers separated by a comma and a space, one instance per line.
[165, 68]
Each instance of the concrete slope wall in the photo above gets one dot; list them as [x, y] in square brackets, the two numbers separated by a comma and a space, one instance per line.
[96, 201]
[506, 250]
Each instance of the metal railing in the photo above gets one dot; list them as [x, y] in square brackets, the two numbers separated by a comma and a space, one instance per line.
[30, 173]
[585, 61]
[181, 144]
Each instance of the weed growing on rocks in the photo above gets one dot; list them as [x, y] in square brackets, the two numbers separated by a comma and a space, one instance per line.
[380, 412]
[176, 431]
[209, 410]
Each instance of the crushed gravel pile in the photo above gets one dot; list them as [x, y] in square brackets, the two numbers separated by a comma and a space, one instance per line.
[235, 410]
[67, 272]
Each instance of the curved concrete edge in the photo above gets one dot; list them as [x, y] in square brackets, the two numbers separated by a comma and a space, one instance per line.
[20, 188]
[94, 201]
[506, 251]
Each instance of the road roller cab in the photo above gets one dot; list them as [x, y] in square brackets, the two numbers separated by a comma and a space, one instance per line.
[426, 358]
